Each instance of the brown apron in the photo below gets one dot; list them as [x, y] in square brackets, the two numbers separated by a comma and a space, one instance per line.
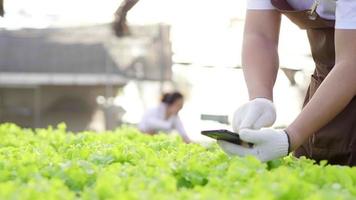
[336, 141]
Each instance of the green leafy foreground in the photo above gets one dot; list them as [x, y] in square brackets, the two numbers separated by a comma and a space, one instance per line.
[126, 164]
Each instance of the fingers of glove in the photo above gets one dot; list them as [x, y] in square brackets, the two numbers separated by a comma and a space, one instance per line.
[234, 149]
[253, 136]
[265, 120]
[237, 119]
[253, 113]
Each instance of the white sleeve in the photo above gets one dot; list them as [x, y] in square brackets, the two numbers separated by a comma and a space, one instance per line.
[157, 124]
[259, 5]
[180, 128]
[345, 14]
[151, 121]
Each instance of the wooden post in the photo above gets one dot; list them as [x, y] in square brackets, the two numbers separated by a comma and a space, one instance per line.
[37, 107]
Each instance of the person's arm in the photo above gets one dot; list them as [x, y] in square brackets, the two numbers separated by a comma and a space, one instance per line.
[119, 25]
[334, 93]
[181, 130]
[260, 52]
[2, 8]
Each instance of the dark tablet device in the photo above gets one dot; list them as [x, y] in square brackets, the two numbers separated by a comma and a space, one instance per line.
[223, 134]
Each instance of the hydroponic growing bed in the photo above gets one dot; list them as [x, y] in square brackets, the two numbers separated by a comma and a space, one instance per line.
[126, 164]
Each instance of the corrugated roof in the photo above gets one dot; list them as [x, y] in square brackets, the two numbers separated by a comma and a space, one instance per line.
[91, 51]
[72, 51]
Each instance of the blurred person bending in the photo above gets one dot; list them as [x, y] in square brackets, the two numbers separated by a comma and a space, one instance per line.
[164, 117]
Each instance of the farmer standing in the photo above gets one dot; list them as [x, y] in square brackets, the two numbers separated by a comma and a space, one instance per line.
[326, 127]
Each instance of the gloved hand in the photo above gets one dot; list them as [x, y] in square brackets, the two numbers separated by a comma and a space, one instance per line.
[255, 114]
[268, 144]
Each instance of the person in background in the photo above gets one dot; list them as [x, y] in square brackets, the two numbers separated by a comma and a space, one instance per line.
[165, 116]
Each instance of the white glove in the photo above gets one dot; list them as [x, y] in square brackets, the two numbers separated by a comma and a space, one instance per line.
[268, 144]
[254, 114]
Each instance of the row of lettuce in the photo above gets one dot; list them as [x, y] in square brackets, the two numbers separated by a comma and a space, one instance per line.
[126, 164]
